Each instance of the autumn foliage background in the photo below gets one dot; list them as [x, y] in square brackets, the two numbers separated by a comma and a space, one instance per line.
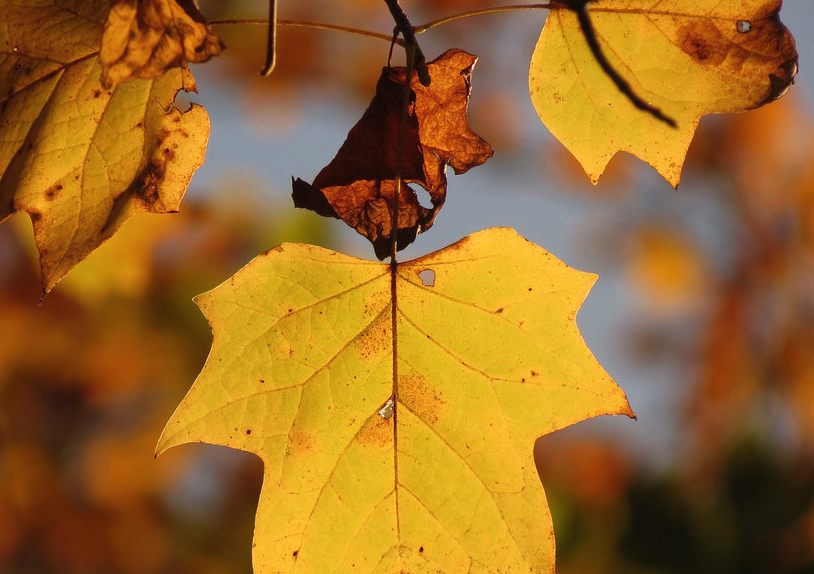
[709, 292]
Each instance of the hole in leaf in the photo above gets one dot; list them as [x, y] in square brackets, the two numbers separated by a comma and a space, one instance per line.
[427, 277]
[744, 26]
[387, 409]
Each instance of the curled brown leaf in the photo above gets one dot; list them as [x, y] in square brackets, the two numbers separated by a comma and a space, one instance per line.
[358, 186]
[143, 39]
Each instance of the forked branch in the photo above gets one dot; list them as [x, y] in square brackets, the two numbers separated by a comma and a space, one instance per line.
[407, 31]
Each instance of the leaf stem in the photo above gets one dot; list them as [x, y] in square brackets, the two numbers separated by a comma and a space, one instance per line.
[271, 46]
[411, 54]
[407, 31]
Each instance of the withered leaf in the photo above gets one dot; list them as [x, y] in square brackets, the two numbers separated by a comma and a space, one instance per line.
[358, 186]
[79, 159]
[145, 38]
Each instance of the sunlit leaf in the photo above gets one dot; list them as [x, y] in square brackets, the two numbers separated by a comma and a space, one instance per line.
[429, 471]
[77, 158]
[687, 58]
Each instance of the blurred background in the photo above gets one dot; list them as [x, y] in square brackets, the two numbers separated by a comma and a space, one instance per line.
[703, 313]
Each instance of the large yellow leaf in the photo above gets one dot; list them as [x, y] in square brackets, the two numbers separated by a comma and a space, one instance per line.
[77, 158]
[429, 471]
[685, 57]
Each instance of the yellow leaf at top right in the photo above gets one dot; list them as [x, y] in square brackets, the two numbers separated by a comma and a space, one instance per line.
[687, 58]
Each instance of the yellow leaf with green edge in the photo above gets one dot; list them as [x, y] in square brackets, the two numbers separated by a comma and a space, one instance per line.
[77, 158]
[429, 470]
[687, 58]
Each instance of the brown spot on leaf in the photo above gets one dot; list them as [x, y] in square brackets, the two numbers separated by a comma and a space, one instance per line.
[375, 339]
[376, 432]
[299, 442]
[707, 44]
[145, 187]
[416, 395]
[780, 83]
[53, 192]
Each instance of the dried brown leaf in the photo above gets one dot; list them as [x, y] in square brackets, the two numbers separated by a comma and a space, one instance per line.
[358, 185]
[143, 39]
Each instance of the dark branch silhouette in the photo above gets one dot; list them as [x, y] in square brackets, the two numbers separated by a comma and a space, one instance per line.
[404, 26]
[580, 7]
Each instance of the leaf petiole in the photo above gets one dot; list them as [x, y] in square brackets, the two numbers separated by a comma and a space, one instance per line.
[271, 46]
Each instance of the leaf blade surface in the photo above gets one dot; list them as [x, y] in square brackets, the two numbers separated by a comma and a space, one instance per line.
[77, 158]
[686, 57]
[489, 358]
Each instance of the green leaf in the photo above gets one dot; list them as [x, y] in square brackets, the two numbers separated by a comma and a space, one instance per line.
[431, 470]
[77, 158]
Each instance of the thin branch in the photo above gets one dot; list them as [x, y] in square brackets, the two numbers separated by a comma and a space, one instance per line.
[313, 25]
[403, 26]
[408, 33]
[510, 8]
[394, 229]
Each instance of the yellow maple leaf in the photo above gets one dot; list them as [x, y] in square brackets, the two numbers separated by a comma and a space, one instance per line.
[427, 470]
[77, 158]
[687, 58]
